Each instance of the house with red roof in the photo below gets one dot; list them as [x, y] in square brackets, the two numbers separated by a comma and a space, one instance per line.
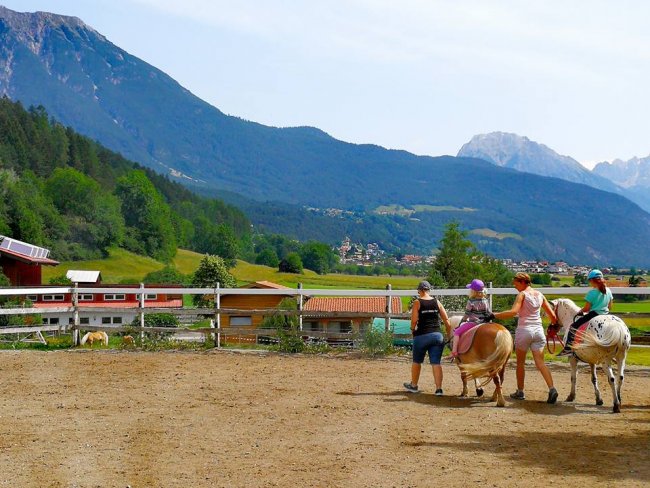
[105, 307]
[344, 314]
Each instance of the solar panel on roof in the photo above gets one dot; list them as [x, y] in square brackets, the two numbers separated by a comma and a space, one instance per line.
[23, 247]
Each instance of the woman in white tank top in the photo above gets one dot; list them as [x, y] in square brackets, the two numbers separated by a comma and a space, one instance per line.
[530, 333]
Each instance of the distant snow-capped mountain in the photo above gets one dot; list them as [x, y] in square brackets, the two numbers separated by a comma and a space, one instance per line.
[520, 153]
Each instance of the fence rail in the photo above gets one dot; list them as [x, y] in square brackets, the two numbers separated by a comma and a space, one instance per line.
[215, 313]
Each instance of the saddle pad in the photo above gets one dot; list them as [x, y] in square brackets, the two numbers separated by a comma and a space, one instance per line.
[466, 340]
[580, 333]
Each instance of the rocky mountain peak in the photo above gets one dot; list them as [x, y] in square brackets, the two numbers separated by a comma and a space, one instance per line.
[632, 173]
[32, 28]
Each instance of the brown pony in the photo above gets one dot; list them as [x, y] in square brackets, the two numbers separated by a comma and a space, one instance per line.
[91, 337]
[486, 358]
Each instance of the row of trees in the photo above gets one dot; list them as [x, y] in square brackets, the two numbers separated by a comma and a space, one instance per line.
[291, 256]
[65, 192]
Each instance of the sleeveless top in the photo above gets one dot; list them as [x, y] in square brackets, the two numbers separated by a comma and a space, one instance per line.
[428, 317]
[529, 313]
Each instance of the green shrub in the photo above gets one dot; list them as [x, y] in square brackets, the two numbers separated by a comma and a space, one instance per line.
[290, 339]
[158, 320]
[377, 342]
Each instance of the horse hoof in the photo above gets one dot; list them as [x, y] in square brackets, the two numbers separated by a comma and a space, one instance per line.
[599, 402]
[570, 398]
[617, 408]
[479, 392]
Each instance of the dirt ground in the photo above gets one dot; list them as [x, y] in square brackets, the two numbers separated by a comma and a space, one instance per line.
[219, 418]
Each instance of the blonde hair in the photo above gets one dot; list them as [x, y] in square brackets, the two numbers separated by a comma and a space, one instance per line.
[523, 277]
[477, 294]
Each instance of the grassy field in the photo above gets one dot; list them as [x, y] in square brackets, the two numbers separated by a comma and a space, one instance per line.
[122, 266]
[118, 267]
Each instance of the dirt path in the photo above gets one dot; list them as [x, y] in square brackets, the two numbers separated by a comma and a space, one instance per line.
[104, 419]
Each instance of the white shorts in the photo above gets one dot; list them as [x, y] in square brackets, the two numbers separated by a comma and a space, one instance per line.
[530, 338]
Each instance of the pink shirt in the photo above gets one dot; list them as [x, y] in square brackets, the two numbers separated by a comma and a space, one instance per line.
[529, 313]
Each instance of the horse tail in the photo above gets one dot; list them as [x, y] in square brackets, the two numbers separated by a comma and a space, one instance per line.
[105, 338]
[616, 336]
[85, 338]
[492, 365]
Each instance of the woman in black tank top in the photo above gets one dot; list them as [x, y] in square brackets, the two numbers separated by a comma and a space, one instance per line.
[426, 314]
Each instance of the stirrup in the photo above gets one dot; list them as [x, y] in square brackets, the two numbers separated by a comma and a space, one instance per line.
[567, 351]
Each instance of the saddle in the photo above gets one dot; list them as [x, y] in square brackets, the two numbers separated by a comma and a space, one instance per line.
[466, 340]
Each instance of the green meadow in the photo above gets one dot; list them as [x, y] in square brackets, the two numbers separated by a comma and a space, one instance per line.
[124, 267]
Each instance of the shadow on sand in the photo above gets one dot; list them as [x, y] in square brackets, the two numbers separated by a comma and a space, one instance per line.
[450, 401]
[612, 458]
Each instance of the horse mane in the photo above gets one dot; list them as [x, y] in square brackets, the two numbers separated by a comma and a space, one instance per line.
[85, 338]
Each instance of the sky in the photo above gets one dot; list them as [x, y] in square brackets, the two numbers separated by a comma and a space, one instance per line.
[419, 75]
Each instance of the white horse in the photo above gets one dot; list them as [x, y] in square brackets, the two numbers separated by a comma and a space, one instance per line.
[606, 338]
[95, 336]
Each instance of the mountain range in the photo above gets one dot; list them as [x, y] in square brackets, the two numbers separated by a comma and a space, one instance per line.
[88, 83]
[630, 179]
[633, 175]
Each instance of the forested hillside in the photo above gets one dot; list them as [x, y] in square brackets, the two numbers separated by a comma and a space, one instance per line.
[63, 191]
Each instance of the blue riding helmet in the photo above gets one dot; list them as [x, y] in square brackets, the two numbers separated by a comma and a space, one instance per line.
[594, 273]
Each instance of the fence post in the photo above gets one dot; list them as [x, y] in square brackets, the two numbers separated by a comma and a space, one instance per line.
[217, 304]
[141, 311]
[75, 314]
[389, 307]
[300, 306]
[490, 294]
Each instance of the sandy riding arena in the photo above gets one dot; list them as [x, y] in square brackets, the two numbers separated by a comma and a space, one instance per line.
[174, 419]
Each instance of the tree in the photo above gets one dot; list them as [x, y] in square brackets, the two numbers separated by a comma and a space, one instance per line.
[60, 280]
[211, 270]
[453, 264]
[4, 280]
[291, 264]
[317, 256]
[147, 215]
[166, 276]
[267, 257]
[634, 280]
[579, 279]
[541, 279]
[458, 262]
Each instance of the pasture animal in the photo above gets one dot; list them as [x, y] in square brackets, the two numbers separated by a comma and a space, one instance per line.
[128, 341]
[605, 339]
[92, 337]
[486, 359]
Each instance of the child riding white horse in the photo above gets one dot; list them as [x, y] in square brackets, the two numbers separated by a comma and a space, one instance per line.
[605, 338]
[597, 302]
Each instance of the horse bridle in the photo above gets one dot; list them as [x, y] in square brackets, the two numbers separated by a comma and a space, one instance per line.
[552, 333]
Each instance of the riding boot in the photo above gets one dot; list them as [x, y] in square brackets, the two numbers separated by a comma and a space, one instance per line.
[569, 340]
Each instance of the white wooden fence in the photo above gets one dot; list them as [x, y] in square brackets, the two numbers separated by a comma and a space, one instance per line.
[216, 312]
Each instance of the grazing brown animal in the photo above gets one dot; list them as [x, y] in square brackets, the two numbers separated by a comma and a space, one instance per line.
[91, 337]
[128, 341]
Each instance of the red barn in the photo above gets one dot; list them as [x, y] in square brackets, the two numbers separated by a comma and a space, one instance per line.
[21, 262]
